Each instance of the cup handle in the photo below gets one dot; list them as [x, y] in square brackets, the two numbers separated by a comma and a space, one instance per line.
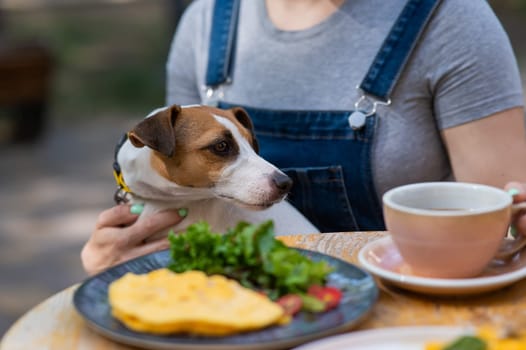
[510, 247]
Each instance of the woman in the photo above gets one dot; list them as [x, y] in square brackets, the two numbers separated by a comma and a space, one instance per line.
[439, 98]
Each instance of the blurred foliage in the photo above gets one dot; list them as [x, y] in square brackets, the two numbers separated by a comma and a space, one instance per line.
[512, 14]
[509, 5]
[110, 58]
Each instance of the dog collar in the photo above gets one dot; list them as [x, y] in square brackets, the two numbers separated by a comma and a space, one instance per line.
[123, 191]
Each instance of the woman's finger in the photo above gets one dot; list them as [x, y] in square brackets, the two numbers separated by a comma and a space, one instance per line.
[147, 248]
[153, 224]
[116, 216]
[519, 224]
[518, 190]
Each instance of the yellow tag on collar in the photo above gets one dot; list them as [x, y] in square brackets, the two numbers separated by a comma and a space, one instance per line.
[120, 181]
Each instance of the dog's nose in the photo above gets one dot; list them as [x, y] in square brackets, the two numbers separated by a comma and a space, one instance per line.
[282, 182]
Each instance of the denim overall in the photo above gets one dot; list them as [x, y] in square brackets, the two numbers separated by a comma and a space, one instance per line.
[326, 153]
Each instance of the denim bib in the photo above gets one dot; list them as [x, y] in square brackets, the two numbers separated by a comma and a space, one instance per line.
[326, 153]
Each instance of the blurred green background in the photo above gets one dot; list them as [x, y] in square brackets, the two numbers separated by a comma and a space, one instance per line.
[108, 60]
[108, 55]
[107, 71]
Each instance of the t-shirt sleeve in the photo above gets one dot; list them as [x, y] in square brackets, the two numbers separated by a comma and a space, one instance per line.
[182, 85]
[474, 72]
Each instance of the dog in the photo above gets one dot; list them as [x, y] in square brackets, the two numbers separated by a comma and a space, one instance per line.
[205, 159]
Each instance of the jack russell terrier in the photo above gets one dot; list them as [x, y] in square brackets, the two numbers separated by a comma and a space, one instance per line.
[204, 159]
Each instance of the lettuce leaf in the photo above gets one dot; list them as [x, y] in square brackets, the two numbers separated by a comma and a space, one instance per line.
[248, 253]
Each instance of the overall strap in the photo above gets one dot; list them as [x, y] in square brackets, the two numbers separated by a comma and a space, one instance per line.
[222, 42]
[396, 48]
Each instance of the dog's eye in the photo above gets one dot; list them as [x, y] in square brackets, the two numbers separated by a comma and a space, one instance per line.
[221, 147]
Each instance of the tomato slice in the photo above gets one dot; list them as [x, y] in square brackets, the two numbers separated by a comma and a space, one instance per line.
[331, 296]
[291, 303]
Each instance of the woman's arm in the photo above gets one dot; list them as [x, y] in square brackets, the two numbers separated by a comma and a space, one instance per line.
[490, 150]
[185, 56]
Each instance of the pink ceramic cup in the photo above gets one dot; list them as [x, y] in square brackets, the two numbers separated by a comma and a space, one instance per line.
[447, 229]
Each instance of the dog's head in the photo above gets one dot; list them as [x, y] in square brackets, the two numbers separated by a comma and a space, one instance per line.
[205, 147]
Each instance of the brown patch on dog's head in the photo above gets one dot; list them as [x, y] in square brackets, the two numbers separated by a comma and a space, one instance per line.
[191, 146]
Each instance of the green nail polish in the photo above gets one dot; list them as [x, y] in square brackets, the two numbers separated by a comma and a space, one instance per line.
[513, 231]
[513, 191]
[136, 209]
[182, 212]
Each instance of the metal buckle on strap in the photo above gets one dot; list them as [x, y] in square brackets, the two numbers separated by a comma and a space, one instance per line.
[364, 107]
[213, 94]
[121, 196]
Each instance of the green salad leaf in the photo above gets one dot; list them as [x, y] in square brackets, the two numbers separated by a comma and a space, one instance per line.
[467, 343]
[248, 253]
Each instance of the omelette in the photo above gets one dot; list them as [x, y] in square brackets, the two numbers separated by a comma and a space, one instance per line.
[165, 302]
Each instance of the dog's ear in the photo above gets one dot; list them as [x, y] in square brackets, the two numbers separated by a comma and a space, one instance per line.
[157, 131]
[243, 117]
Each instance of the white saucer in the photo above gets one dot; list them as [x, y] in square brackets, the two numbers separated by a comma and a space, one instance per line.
[396, 338]
[381, 258]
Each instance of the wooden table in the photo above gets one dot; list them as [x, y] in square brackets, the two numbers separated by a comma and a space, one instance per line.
[54, 324]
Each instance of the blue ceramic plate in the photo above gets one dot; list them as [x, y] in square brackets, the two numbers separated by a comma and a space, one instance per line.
[359, 288]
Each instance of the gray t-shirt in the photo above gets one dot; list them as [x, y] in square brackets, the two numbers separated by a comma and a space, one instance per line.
[464, 69]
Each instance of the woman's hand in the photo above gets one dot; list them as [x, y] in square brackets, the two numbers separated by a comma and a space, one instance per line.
[518, 190]
[118, 236]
